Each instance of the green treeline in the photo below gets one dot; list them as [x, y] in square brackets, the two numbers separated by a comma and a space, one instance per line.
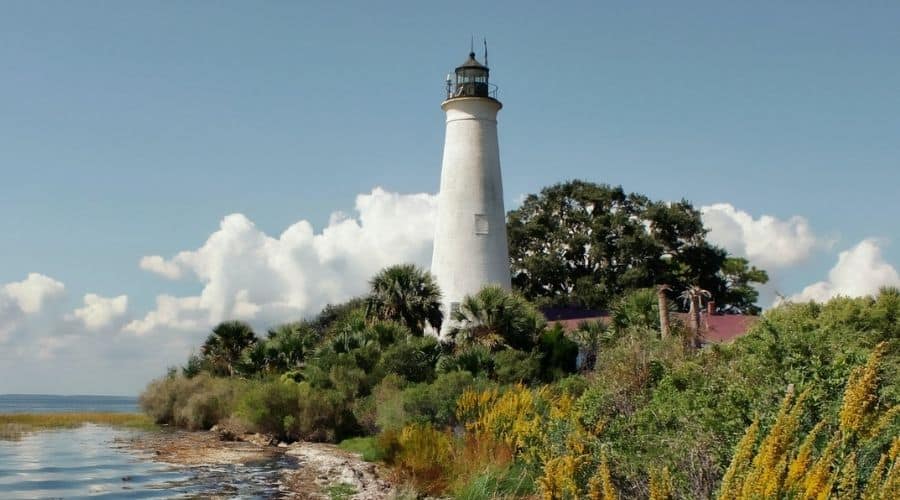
[803, 406]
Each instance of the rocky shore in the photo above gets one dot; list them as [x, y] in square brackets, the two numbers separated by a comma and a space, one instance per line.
[322, 471]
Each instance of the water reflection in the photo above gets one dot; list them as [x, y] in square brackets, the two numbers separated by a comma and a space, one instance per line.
[92, 462]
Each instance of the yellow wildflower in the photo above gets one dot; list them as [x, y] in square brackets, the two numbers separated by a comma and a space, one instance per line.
[847, 480]
[660, 484]
[766, 474]
[800, 464]
[733, 480]
[818, 481]
[558, 480]
[601, 486]
[861, 393]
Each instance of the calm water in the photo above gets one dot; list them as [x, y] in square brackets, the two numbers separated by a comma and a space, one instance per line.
[42, 403]
[93, 462]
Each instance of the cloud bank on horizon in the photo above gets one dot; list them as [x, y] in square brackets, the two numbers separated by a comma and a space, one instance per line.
[249, 275]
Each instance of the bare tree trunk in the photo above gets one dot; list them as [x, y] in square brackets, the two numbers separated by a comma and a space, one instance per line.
[694, 314]
[663, 304]
[693, 323]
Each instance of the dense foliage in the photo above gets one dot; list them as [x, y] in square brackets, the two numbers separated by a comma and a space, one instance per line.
[584, 244]
[500, 410]
[408, 295]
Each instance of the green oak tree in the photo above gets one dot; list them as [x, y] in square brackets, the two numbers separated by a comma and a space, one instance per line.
[583, 244]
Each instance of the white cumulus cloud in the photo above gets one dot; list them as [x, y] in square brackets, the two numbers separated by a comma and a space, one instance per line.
[859, 271]
[178, 313]
[100, 312]
[767, 241]
[160, 266]
[22, 301]
[31, 293]
[250, 275]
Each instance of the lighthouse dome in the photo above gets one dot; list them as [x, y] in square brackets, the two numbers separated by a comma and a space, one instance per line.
[471, 62]
[471, 80]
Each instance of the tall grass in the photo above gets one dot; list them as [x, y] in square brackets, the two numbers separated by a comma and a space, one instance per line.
[16, 425]
[366, 447]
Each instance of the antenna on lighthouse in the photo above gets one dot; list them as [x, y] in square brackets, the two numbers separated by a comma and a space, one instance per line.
[472, 45]
[485, 51]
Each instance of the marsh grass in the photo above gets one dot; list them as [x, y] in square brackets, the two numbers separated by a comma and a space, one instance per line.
[14, 426]
[341, 491]
[367, 447]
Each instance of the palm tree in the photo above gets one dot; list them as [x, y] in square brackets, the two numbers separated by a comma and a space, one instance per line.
[636, 309]
[405, 294]
[693, 296]
[255, 360]
[496, 318]
[590, 337]
[225, 345]
[289, 344]
[665, 329]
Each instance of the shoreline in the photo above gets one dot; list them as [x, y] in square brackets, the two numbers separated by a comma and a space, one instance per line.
[321, 471]
[320, 468]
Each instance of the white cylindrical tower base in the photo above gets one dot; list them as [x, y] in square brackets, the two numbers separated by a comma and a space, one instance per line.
[470, 247]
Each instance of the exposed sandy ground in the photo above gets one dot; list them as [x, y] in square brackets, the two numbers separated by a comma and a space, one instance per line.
[325, 465]
[321, 466]
[198, 448]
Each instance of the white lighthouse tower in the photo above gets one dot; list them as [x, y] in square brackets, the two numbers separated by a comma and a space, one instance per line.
[470, 248]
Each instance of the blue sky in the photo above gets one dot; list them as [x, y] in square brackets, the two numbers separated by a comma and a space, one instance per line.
[132, 129]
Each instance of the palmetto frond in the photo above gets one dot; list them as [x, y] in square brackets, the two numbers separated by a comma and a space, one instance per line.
[405, 294]
[496, 318]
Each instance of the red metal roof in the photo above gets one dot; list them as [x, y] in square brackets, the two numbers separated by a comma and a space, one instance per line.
[726, 327]
[717, 328]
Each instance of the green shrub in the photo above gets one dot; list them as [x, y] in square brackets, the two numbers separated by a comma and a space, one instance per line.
[476, 360]
[193, 403]
[333, 314]
[388, 403]
[366, 414]
[369, 448]
[573, 385]
[436, 402]
[558, 354]
[387, 333]
[315, 374]
[270, 407]
[514, 480]
[208, 405]
[413, 359]
[193, 367]
[513, 367]
[296, 411]
[349, 381]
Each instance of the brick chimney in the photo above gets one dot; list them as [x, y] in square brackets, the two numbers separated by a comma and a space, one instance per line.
[711, 308]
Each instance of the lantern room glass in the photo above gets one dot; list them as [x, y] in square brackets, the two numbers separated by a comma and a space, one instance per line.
[472, 82]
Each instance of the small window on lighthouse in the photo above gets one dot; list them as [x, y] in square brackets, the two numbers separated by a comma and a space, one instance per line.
[481, 224]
